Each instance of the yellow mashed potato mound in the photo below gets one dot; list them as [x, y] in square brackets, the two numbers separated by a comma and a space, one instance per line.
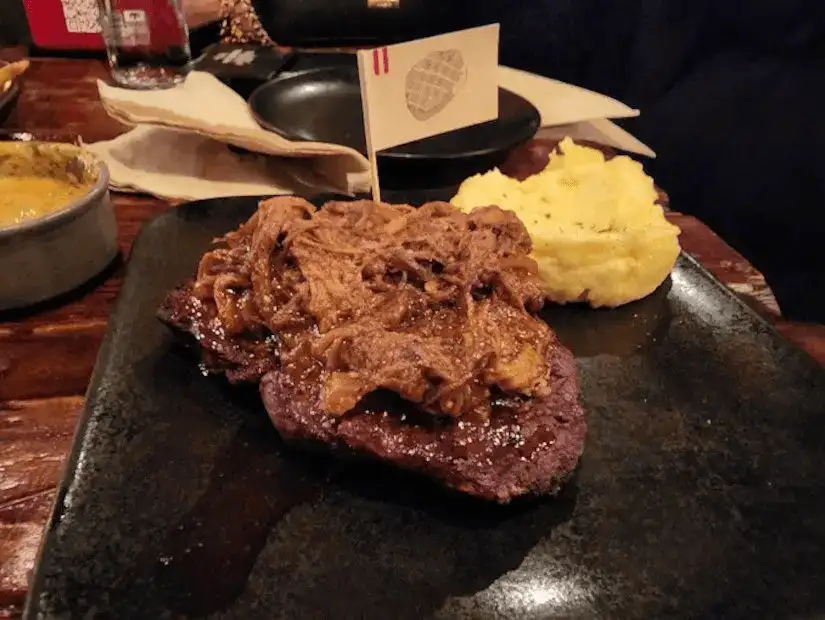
[598, 234]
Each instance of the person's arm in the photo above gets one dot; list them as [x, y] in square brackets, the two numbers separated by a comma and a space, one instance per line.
[201, 12]
[203, 17]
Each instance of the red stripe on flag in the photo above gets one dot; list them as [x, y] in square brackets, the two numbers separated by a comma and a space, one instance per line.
[386, 55]
[375, 67]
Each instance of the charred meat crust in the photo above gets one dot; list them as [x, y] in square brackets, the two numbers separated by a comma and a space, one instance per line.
[528, 447]
[241, 358]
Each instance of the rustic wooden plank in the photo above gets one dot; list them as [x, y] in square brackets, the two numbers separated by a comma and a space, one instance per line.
[61, 96]
[34, 439]
[21, 528]
[45, 363]
[726, 264]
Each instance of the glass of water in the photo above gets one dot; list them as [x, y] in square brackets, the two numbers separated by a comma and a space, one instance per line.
[147, 42]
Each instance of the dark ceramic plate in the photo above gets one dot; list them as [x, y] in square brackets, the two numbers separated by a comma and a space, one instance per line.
[323, 104]
[7, 100]
[701, 493]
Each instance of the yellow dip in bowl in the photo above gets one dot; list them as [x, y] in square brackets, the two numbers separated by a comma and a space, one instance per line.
[57, 224]
[37, 179]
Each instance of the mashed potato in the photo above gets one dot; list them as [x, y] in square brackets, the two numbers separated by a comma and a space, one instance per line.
[598, 234]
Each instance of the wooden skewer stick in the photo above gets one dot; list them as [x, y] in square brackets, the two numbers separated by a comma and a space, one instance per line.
[374, 182]
[376, 188]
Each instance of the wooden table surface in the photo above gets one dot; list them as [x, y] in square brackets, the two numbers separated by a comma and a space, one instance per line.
[47, 354]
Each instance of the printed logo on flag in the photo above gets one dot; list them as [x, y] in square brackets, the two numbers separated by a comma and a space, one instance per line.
[430, 86]
[380, 61]
[433, 82]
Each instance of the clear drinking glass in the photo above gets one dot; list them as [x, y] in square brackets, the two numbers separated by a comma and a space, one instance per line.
[147, 42]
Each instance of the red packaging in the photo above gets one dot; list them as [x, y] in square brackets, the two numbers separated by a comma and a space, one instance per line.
[74, 24]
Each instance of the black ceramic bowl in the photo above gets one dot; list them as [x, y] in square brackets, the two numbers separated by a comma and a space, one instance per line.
[8, 98]
[323, 104]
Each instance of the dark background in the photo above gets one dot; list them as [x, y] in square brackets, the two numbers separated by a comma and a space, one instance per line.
[14, 29]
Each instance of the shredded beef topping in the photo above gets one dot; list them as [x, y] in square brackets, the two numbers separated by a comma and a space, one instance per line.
[431, 303]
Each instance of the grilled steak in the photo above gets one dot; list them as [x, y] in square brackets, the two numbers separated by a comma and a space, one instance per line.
[527, 447]
[401, 334]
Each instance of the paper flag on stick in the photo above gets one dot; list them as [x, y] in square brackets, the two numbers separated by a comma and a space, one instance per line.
[426, 87]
